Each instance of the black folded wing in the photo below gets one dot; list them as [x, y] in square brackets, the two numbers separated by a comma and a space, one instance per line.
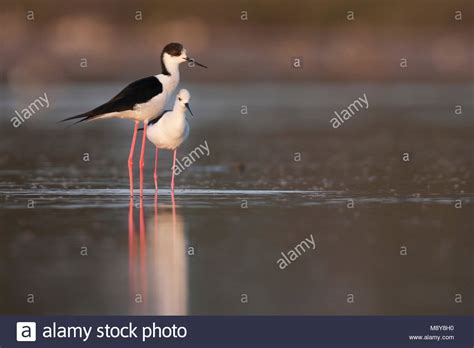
[137, 92]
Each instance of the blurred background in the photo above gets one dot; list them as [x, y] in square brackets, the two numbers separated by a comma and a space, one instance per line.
[81, 53]
[339, 40]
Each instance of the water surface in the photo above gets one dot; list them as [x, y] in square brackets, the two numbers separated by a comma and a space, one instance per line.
[396, 235]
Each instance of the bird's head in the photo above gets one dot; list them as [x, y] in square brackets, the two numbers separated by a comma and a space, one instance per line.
[174, 54]
[183, 99]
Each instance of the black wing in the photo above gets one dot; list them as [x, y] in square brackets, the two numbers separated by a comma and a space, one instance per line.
[137, 92]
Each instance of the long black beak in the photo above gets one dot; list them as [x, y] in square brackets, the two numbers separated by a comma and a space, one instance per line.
[189, 109]
[194, 61]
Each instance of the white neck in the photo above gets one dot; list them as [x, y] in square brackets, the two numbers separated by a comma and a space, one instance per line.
[171, 65]
[179, 109]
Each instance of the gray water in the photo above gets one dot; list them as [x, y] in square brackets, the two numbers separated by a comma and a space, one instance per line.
[391, 237]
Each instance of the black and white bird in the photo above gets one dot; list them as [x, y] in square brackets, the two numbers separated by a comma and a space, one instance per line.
[170, 129]
[142, 100]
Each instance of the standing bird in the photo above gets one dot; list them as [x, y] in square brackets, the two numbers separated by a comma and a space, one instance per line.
[142, 100]
[170, 129]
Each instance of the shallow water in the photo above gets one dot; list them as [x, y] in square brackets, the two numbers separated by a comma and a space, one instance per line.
[238, 209]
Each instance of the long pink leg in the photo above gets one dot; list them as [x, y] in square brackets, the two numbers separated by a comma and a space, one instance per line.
[142, 157]
[172, 170]
[130, 157]
[156, 165]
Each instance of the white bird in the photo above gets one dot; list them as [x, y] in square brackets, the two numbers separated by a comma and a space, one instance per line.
[170, 129]
[142, 100]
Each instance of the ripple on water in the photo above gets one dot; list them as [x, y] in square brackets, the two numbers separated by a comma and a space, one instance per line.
[79, 198]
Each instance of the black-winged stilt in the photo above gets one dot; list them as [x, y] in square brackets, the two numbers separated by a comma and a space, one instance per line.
[142, 100]
[170, 129]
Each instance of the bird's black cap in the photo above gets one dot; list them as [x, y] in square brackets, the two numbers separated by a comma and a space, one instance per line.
[173, 49]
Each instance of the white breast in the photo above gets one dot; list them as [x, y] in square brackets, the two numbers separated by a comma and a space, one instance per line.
[153, 107]
[169, 132]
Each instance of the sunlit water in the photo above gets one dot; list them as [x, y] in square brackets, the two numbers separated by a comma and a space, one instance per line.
[274, 177]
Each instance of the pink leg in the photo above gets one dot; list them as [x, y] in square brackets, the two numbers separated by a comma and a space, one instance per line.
[172, 170]
[156, 165]
[142, 160]
[130, 157]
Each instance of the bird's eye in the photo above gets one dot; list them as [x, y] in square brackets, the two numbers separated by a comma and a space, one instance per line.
[179, 98]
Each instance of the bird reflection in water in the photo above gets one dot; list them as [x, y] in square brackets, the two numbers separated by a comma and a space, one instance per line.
[158, 269]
